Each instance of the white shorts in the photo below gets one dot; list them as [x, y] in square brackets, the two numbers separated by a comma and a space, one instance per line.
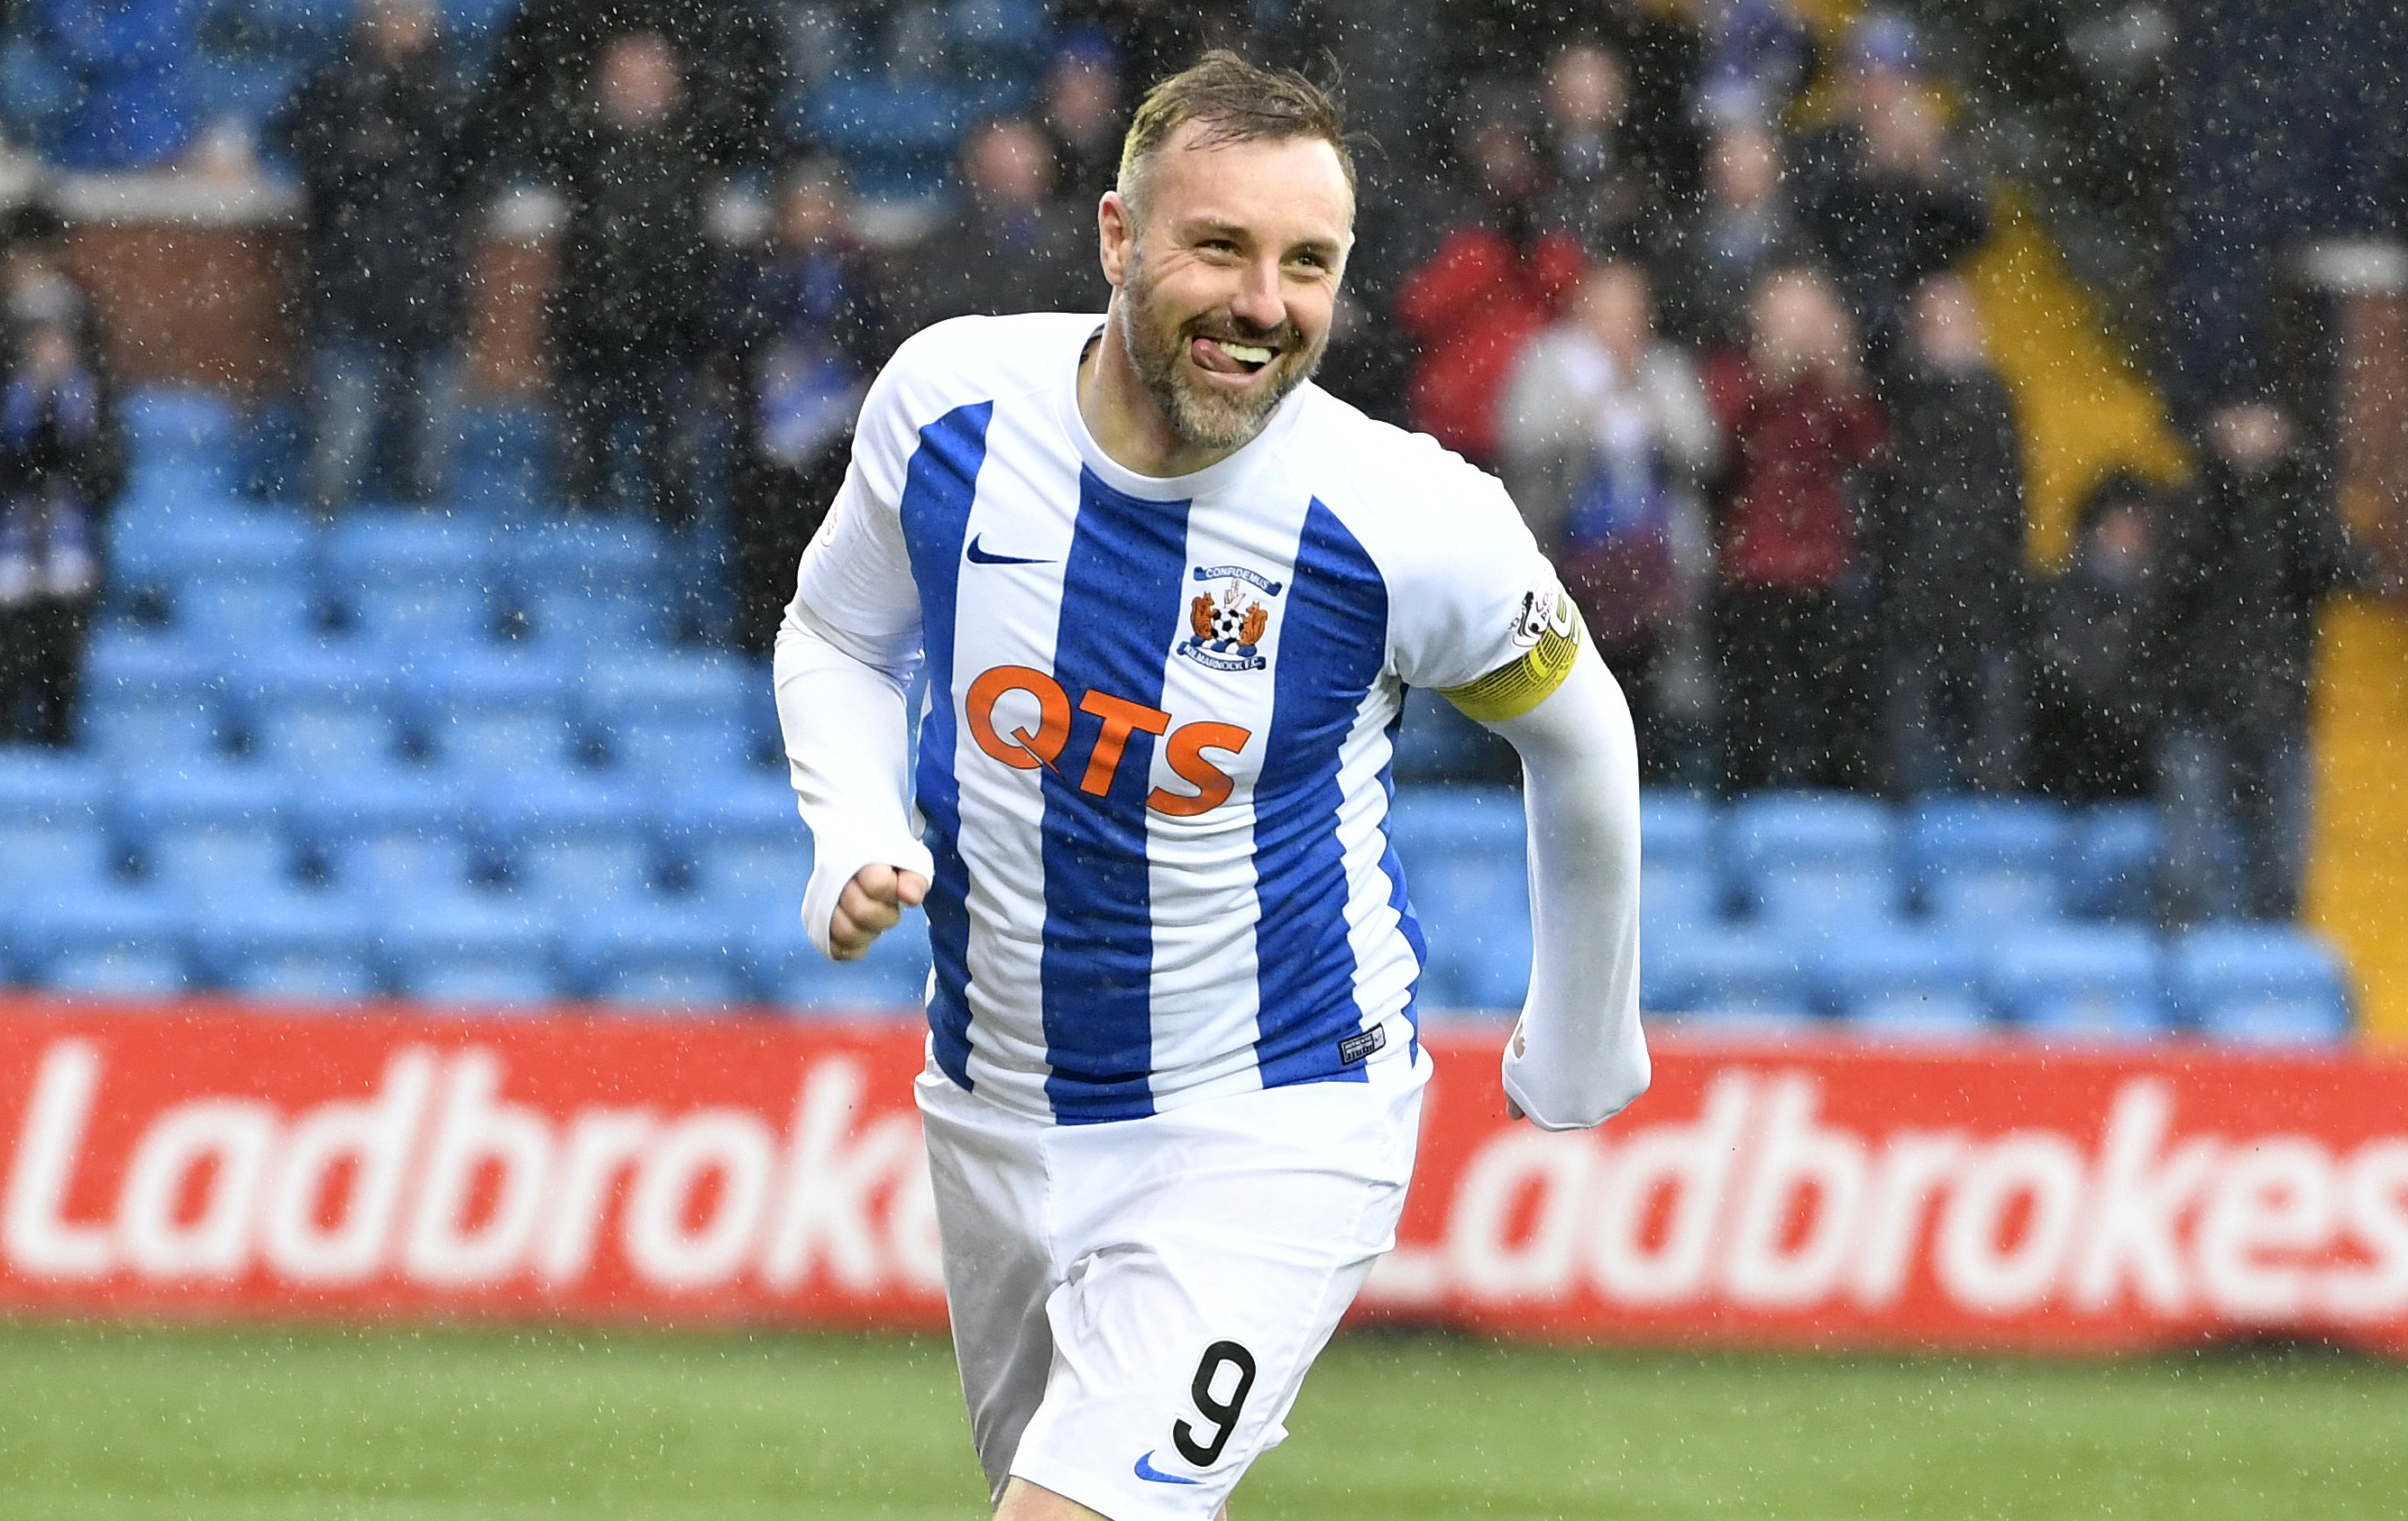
[1135, 1303]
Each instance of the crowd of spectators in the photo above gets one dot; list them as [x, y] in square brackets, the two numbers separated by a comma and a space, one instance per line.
[1690, 281]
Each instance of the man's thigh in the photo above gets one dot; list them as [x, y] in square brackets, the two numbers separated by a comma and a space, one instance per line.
[1199, 1261]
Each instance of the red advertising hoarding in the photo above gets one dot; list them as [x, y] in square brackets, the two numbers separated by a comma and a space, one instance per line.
[198, 1161]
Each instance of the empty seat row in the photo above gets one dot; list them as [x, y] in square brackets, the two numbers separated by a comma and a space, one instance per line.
[461, 948]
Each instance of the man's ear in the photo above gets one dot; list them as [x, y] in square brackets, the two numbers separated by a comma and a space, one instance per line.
[1117, 234]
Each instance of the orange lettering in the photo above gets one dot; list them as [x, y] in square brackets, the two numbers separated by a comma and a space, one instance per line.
[1120, 716]
[1185, 754]
[1024, 751]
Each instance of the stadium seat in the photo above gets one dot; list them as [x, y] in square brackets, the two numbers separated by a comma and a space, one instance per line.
[1911, 983]
[227, 619]
[658, 957]
[1745, 976]
[497, 713]
[319, 711]
[897, 136]
[2112, 861]
[661, 716]
[1986, 863]
[54, 822]
[2267, 984]
[209, 538]
[412, 580]
[2082, 982]
[737, 843]
[149, 700]
[1813, 858]
[594, 549]
[388, 837]
[1675, 829]
[172, 423]
[472, 948]
[573, 843]
[114, 939]
[292, 944]
[1678, 898]
[1463, 851]
[593, 622]
[211, 836]
[789, 973]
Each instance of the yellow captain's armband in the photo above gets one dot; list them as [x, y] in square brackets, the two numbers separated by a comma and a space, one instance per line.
[1549, 629]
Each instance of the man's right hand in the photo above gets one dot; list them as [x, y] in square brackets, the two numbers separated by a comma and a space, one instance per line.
[869, 905]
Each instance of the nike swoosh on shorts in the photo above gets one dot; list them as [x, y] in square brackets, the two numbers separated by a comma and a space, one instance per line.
[1154, 1475]
[980, 556]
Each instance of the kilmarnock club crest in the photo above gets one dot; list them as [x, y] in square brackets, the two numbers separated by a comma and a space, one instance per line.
[1226, 632]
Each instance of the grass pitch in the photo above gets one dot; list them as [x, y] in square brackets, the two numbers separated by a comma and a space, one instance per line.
[400, 1424]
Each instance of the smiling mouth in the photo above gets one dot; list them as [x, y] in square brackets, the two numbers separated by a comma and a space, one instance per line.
[1230, 356]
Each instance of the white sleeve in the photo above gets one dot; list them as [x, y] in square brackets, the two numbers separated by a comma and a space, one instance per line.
[848, 746]
[1579, 1056]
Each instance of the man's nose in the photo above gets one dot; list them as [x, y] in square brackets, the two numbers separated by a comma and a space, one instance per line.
[1257, 302]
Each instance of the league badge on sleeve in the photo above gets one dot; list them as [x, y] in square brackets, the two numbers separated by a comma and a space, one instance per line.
[1226, 631]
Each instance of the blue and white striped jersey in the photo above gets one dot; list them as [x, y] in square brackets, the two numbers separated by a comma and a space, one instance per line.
[1154, 761]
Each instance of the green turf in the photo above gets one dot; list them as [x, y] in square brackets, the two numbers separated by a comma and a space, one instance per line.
[450, 1425]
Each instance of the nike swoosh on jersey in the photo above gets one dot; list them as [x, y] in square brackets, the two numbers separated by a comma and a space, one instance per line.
[1147, 1471]
[980, 556]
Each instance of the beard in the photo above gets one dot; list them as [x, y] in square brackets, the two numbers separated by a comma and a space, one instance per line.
[1202, 415]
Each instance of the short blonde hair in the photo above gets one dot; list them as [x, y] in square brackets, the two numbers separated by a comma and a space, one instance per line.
[1235, 102]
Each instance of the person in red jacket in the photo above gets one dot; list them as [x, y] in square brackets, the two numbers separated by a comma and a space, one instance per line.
[1798, 422]
[1496, 281]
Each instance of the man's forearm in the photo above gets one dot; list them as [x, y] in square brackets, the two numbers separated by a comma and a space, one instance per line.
[1579, 1055]
[848, 745]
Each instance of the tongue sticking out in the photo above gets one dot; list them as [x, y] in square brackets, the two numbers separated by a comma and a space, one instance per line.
[1224, 357]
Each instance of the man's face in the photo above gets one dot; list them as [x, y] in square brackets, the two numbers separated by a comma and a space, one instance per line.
[1228, 283]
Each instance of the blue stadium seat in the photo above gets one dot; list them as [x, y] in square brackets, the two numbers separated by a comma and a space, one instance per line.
[206, 540]
[292, 944]
[594, 623]
[573, 843]
[1463, 850]
[2082, 982]
[392, 837]
[1914, 983]
[414, 580]
[662, 716]
[472, 948]
[1675, 829]
[2268, 984]
[897, 136]
[894, 976]
[54, 823]
[212, 836]
[229, 618]
[421, 619]
[659, 956]
[167, 423]
[113, 940]
[740, 842]
[497, 713]
[1813, 858]
[1988, 862]
[1743, 975]
[320, 710]
[2112, 862]
[151, 700]
[1678, 898]
[594, 549]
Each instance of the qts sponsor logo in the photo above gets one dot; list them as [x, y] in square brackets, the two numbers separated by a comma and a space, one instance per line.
[1189, 749]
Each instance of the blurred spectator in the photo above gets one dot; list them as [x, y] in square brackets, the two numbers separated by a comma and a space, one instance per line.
[375, 136]
[1499, 276]
[1949, 556]
[2093, 714]
[627, 313]
[1760, 58]
[1010, 246]
[2246, 558]
[1605, 433]
[131, 108]
[1883, 191]
[1601, 195]
[1085, 119]
[805, 327]
[1741, 227]
[61, 464]
[1796, 424]
[539, 86]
